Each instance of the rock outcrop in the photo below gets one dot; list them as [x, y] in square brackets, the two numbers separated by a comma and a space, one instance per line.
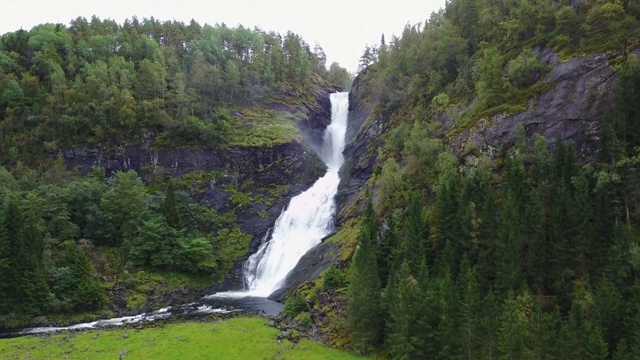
[582, 93]
[309, 268]
[274, 173]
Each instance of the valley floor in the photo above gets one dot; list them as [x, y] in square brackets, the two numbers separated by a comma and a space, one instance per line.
[236, 338]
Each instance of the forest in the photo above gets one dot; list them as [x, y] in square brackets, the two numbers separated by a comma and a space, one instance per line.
[67, 241]
[533, 253]
[96, 81]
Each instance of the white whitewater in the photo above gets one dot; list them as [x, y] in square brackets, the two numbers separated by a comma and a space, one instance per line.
[307, 219]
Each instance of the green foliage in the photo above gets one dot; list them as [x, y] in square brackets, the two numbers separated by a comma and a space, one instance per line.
[169, 207]
[525, 70]
[365, 316]
[295, 304]
[534, 255]
[85, 293]
[102, 82]
[491, 85]
[58, 232]
[404, 301]
[305, 319]
[236, 338]
[334, 279]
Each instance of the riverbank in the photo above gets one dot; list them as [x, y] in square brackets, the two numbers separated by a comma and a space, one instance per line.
[208, 338]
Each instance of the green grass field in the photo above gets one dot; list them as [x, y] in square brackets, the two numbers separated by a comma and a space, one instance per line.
[236, 338]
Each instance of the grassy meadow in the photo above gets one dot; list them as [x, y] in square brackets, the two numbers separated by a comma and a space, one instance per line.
[236, 338]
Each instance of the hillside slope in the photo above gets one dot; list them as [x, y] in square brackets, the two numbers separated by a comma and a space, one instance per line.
[489, 201]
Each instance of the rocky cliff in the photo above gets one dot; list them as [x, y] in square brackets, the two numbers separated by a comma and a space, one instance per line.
[580, 93]
[268, 176]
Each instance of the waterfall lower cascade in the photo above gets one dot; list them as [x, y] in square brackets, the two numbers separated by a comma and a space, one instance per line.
[307, 219]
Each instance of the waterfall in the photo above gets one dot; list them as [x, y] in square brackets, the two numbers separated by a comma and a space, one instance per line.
[307, 219]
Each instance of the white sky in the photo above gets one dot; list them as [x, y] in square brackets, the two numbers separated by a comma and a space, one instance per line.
[342, 27]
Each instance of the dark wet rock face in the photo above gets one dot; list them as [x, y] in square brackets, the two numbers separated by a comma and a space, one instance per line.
[365, 126]
[273, 173]
[315, 261]
[582, 93]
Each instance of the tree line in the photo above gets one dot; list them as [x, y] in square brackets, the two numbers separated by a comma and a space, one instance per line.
[532, 253]
[59, 234]
[99, 81]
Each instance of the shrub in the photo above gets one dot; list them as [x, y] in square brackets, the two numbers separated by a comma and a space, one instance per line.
[295, 304]
[305, 319]
[334, 279]
[526, 69]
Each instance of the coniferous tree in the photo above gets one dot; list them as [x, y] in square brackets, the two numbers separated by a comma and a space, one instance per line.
[5, 262]
[469, 308]
[385, 253]
[426, 315]
[447, 330]
[169, 207]
[416, 235]
[490, 325]
[401, 328]
[509, 272]
[514, 341]
[86, 294]
[365, 313]
[596, 346]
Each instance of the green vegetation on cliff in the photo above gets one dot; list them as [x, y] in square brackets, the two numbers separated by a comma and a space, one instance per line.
[102, 82]
[66, 243]
[524, 251]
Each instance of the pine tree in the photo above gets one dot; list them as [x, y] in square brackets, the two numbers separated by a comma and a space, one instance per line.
[365, 313]
[86, 294]
[29, 291]
[514, 341]
[169, 207]
[490, 325]
[427, 315]
[386, 250]
[447, 330]
[18, 261]
[5, 263]
[509, 271]
[596, 346]
[469, 307]
[403, 299]
[416, 235]
[622, 351]
[609, 312]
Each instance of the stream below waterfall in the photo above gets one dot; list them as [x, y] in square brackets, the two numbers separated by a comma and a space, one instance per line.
[303, 223]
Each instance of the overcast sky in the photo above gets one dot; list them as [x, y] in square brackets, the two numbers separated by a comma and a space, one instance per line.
[342, 27]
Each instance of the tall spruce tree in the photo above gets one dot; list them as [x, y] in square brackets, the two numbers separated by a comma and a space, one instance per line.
[169, 207]
[5, 263]
[385, 253]
[404, 300]
[416, 236]
[509, 272]
[365, 312]
[469, 308]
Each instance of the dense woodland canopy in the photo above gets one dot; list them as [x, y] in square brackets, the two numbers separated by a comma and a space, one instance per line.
[57, 230]
[531, 254]
[98, 81]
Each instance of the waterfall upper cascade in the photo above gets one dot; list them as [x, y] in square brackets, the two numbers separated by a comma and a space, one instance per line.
[307, 219]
